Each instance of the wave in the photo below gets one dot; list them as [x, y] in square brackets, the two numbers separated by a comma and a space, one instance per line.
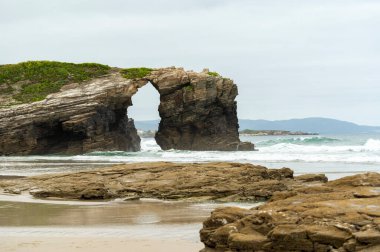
[300, 140]
[366, 153]
[371, 145]
[369, 152]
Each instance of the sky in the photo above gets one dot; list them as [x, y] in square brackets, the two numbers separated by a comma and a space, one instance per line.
[289, 58]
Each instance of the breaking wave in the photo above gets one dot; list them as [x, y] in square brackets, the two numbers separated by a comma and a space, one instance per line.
[369, 152]
[326, 152]
[300, 140]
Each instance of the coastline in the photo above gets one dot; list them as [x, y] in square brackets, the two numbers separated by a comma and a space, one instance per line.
[336, 214]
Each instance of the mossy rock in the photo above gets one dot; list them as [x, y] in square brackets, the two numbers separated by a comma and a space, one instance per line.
[136, 73]
[41, 78]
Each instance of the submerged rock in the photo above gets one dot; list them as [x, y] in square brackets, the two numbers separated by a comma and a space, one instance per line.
[332, 216]
[197, 110]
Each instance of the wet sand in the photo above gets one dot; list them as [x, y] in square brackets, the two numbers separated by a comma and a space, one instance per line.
[94, 244]
[27, 224]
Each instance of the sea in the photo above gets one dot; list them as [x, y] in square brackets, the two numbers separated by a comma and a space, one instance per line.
[334, 155]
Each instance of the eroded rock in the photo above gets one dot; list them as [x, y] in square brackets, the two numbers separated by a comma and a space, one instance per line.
[325, 217]
[198, 112]
[198, 182]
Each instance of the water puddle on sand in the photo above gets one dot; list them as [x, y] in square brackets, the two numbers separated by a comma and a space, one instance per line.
[134, 219]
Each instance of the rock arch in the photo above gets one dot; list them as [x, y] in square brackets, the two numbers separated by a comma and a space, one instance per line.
[197, 110]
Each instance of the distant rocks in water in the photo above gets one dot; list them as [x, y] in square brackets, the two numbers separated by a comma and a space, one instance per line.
[275, 133]
[341, 215]
[55, 107]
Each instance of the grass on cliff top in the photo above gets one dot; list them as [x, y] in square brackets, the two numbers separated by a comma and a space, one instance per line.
[136, 73]
[215, 74]
[41, 78]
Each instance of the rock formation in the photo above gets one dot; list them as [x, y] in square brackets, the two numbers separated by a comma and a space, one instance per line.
[162, 180]
[341, 215]
[198, 112]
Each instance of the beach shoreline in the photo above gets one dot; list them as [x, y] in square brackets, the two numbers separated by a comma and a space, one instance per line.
[94, 244]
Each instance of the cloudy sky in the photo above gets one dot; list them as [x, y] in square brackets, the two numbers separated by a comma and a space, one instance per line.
[289, 58]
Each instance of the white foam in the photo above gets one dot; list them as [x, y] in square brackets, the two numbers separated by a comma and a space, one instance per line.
[365, 151]
[372, 144]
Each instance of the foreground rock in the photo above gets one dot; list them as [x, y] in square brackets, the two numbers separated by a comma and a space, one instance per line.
[209, 181]
[197, 110]
[342, 215]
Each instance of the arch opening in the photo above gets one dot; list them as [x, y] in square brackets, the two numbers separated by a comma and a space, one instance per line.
[144, 112]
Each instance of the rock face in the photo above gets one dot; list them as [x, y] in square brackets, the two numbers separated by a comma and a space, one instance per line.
[208, 181]
[342, 215]
[198, 112]
[92, 116]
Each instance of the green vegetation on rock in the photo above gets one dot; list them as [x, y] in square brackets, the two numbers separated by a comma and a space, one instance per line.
[188, 87]
[215, 74]
[136, 73]
[33, 80]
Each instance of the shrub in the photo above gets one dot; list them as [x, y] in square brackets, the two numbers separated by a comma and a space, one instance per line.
[215, 74]
[136, 73]
[188, 87]
[40, 78]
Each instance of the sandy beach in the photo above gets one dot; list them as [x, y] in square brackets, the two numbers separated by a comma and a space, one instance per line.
[94, 244]
[28, 224]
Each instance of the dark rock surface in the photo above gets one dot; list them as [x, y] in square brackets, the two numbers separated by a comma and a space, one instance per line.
[341, 215]
[79, 119]
[198, 112]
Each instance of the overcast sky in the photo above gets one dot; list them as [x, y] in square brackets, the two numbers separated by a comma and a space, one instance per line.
[289, 58]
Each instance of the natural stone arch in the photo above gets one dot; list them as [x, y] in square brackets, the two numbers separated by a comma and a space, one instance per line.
[197, 110]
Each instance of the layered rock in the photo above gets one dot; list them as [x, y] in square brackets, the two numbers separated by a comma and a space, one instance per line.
[162, 180]
[342, 215]
[79, 119]
[198, 112]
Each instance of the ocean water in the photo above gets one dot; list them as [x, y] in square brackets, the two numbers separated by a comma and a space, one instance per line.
[334, 155]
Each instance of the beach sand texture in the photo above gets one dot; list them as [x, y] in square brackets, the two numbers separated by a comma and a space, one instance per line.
[94, 244]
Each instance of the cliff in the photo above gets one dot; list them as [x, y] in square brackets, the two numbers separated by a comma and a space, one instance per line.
[53, 107]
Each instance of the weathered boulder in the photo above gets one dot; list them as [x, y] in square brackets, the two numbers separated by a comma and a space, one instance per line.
[331, 216]
[197, 110]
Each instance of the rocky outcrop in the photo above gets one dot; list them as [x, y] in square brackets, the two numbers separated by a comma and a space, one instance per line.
[341, 215]
[79, 119]
[198, 112]
[162, 180]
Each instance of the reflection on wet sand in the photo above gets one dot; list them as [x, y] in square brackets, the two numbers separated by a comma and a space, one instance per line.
[133, 219]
